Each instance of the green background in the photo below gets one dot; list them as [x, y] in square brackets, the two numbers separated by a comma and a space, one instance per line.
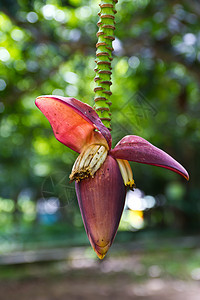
[48, 47]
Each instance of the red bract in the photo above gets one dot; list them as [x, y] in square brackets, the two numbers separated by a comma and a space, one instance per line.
[101, 173]
[73, 122]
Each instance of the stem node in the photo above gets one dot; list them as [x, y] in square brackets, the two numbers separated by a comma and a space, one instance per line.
[103, 68]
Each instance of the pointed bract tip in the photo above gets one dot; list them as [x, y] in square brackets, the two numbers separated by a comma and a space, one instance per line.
[100, 251]
[100, 256]
[187, 176]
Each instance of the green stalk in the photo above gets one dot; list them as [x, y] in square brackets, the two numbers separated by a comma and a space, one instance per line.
[103, 68]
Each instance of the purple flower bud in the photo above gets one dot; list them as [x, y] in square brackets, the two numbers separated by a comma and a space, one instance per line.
[101, 201]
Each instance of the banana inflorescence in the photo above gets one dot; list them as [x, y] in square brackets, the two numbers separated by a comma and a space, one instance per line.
[88, 162]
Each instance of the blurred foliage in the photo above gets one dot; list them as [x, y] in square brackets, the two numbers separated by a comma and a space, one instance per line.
[48, 47]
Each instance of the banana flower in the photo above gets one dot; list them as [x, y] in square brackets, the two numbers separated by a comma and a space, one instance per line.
[101, 174]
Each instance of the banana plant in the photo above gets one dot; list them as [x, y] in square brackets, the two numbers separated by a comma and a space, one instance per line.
[101, 174]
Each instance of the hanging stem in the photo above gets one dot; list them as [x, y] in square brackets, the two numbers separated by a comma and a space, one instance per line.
[103, 68]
